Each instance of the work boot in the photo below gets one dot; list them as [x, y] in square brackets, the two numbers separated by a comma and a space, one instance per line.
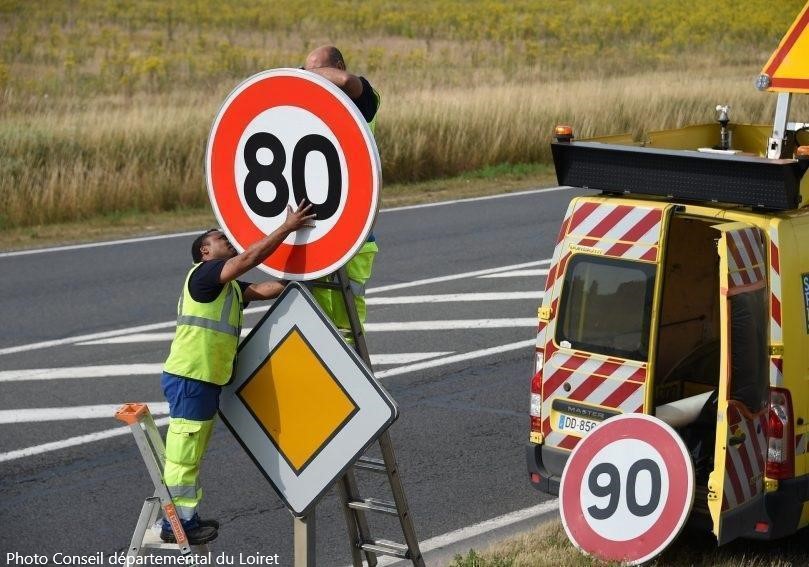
[196, 536]
[209, 523]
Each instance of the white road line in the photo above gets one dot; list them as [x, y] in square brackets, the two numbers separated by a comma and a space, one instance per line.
[113, 370]
[98, 244]
[169, 324]
[481, 528]
[101, 371]
[71, 442]
[519, 274]
[460, 357]
[452, 324]
[369, 327]
[465, 275]
[473, 199]
[71, 413]
[55, 445]
[455, 297]
[195, 232]
[136, 338]
[404, 358]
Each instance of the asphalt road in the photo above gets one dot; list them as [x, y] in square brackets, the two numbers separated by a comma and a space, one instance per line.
[88, 328]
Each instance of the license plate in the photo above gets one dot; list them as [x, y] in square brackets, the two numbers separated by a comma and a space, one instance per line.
[576, 425]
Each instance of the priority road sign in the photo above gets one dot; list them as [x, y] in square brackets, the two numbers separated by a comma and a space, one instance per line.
[788, 67]
[627, 489]
[286, 135]
[301, 402]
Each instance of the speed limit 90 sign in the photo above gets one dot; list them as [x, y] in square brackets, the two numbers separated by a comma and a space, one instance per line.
[283, 136]
[627, 489]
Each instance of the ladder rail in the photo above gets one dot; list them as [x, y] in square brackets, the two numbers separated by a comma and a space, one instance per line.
[388, 456]
[152, 450]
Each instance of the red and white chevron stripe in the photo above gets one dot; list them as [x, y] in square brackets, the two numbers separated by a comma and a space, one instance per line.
[620, 231]
[745, 462]
[597, 380]
[776, 362]
[746, 262]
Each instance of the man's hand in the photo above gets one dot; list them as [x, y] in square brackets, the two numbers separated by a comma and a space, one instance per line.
[300, 218]
[256, 252]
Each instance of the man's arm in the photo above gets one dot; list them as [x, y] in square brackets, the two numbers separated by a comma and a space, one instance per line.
[256, 252]
[263, 290]
[345, 81]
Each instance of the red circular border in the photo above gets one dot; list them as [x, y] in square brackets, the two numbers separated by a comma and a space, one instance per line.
[233, 119]
[677, 505]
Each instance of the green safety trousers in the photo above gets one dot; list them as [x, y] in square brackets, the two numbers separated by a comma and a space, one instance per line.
[186, 443]
[359, 270]
[193, 405]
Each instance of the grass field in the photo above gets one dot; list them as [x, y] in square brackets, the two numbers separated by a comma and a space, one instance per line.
[105, 106]
[548, 546]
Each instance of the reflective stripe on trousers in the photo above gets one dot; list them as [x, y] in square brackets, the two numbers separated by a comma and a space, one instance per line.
[186, 442]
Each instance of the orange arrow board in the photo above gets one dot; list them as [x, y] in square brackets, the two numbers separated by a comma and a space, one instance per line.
[788, 68]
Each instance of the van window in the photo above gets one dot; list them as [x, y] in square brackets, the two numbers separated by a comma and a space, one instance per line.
[605, 306]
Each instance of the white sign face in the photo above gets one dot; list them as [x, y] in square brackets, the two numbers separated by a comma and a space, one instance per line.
[281, 137]
[302, 403]
[627, 489]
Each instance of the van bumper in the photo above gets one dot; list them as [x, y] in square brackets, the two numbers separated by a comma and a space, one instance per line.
[784, 507]
[548, 463]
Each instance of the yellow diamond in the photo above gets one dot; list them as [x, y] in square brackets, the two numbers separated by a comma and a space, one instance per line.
[296, 400]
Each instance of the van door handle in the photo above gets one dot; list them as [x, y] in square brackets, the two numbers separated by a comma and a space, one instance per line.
[737, 439]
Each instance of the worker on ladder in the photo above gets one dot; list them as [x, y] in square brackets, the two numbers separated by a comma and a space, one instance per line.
[203, 353]
[328, 62]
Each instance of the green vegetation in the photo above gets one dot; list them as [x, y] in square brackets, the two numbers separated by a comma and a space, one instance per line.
[106, 106]
[548, 546]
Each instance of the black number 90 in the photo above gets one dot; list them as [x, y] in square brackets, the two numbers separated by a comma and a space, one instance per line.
[613, 488]
[273, 173]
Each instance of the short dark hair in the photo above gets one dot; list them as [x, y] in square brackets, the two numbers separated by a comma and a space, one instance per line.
[199, 241]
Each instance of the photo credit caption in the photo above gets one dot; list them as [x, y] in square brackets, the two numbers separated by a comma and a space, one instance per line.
[101, 558]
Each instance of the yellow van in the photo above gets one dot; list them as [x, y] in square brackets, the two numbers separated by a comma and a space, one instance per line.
[681, 290]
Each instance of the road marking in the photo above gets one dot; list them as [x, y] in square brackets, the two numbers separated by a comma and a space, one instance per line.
[55, 445]
[460, 357]
[196, 232]
[465, 275]
[478, 529]
[70, 413]
[71, 442]
[112, 370]
[448, 325]
[169, 324]
[404, 358]
[455, 297]
[452, 324]
[519, 274]
[474, 199]
[101, 371]
[97, 244]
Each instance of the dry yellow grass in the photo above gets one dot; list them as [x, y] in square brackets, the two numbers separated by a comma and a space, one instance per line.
[105, 108]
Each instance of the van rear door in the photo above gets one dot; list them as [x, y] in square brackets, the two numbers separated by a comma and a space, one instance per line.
[736, 485]
[596, 322]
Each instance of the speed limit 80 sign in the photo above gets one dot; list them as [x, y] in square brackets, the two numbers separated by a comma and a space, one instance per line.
[283, 136]
[627, 489]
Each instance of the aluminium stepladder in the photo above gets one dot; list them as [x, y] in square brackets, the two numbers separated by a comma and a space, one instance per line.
[153, 451]
[354, 506]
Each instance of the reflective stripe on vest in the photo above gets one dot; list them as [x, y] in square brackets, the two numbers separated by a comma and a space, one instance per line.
[207, 336]
[222, 325]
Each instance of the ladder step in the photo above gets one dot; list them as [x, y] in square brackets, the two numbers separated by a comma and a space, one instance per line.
[385, 547]
[370, 464]
[374, 505]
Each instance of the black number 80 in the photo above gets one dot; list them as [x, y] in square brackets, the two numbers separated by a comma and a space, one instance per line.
[273, 172]
[613, 488]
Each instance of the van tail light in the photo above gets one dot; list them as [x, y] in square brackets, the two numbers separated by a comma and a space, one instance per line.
[780, 438]
[536, 394]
